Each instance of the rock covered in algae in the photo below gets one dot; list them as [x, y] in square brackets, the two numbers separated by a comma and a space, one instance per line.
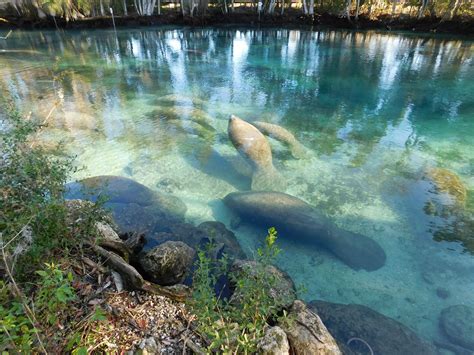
[168, 263]
[307, 334]
[457, 322]
[448, 182]
[135, 207]
[359, 329]
[274, 342]
[281, 286]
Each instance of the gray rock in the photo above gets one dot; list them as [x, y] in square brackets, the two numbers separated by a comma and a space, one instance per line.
[282, 290]
[457, 322]
[135, 207]
[274, 342]
[442, 293]
[198, 237]
[383, 334]
[306, 332]
[168, 263]
[218, 233]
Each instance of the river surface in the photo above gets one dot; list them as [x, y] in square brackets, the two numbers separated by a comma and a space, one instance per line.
[387, 121]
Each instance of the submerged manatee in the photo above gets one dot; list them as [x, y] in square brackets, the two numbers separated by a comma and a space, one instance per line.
[254, 147]
[301, 221]
[284, 136]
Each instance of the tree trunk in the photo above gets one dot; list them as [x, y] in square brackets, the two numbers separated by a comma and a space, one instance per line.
[159, 7]
[102, 12]
[348, 9]
[271, 7]
[453, 7]
[305, 7]
[357, 9]
[125, 12]
[424, 3]
[311, 7]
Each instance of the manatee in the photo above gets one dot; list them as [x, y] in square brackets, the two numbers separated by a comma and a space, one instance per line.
[284, 136]
[180, 100]
[179, 113]
[296, 219]
[254, 147]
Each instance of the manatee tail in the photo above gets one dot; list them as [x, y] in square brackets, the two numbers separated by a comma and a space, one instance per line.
[356, 250]
[268, 180]
[298, 151]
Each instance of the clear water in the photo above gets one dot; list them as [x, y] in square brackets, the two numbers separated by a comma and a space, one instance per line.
[376, 112]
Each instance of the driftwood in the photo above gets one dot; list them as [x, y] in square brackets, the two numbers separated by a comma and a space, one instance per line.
[178, 292]
[134, 281]
[131, 276]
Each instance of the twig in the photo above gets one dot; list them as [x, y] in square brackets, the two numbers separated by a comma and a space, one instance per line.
[10, 338]
[363, 342]
[28, 312]
[194, 347]
[16, 235]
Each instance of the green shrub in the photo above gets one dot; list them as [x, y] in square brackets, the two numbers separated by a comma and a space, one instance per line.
[235, 327]
[36, 227]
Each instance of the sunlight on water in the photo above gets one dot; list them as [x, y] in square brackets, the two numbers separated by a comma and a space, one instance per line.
[387, 120]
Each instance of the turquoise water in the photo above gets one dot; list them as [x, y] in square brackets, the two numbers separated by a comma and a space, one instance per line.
[378, 114]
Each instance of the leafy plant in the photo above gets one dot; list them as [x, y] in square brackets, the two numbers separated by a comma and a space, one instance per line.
[236, 325]
[54, 292]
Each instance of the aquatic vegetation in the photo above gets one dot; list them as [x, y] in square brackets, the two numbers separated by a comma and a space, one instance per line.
[448, 182]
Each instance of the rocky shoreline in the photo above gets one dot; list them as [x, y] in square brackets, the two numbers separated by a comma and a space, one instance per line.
[292, 19]
[149, 250]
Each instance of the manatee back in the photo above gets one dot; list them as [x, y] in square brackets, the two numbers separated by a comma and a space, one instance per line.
[250, 143]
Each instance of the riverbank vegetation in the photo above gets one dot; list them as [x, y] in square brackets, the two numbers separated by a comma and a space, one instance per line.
[388, 14]
[57, 294]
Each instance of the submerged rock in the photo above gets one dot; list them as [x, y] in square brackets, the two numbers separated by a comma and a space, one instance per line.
[282, 288]
[274, 342]
[299, 220]
[118, 189]
[384, 335]
[168, 263]
[135, 208]
[306, 332]
[457, 322]
[198, 237]
[219, 234]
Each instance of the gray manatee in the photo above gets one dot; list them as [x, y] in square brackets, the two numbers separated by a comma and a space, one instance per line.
[283, 135]
[254, 147]
[299, 220]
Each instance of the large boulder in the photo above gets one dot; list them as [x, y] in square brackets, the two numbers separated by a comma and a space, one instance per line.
[168, 263]
[306, 332]
[219, 234]
[457, 322]
[282, 288]
[357, 327]
[274, 342]
[197, 237]
[135, 207]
